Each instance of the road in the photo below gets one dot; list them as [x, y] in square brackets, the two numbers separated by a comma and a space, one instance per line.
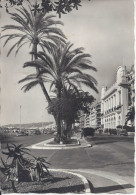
[26, 140]
[114, 154]
[109, 154]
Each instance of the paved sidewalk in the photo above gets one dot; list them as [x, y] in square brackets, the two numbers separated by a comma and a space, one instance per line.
[106, 182]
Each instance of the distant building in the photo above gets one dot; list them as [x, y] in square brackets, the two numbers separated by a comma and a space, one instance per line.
[51, 126]
[82, 120]
[114, 101]
[95, 115]
[98, 115]
[93, 119]
[130, 118]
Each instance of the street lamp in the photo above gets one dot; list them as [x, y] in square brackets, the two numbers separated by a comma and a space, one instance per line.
[20, 117]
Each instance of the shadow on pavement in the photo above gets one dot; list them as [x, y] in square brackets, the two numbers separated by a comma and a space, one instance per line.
[109, 188]
[108, 139]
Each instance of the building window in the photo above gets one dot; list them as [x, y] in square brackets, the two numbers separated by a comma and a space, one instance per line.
[119, 97]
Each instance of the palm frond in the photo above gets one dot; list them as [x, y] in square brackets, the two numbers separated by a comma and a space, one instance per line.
[13, 27]
[36, 64]
[87, 77]
[29, 77]
[20, 47]
[52, 84]
[11, 49]
[85, 66]
[48, 59]
[12, 36]
[77, 59]
[90, 85]
[55, 31]
[16, 17]
[30, 85]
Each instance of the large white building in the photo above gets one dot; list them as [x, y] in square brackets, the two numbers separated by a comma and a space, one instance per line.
[114, 101]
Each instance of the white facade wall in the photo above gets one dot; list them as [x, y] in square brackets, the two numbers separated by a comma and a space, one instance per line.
[114, 102]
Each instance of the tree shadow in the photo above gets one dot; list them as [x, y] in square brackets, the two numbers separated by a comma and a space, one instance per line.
[109, 188]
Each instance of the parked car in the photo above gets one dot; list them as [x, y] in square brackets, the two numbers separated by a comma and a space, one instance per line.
[37, 132]
[26, 133]
[123, 133]
[19, 134]
[113, 131]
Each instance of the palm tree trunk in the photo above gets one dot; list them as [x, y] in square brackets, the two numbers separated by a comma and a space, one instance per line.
[57, 118]
[17, 169]
[68, 128]
[34, 49]
[13, 186]
[45, 92]
[58, 122]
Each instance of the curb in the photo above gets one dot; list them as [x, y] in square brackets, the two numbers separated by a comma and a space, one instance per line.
[84, 180]
[108, 175]
[57, 147]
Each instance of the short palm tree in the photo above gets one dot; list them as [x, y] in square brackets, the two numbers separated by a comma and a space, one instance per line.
[17, 154]
[39, 164]
[61, 67]
[35, 29]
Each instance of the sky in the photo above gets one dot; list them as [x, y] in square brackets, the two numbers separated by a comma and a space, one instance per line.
[105, 28]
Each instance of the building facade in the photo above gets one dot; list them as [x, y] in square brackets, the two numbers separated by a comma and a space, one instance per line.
[131, 86]
[82, 120]
[93, 119]
[114, 101]
[98, 115]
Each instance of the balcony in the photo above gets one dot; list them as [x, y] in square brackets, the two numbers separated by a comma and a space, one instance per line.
[123, 82]
[118, 109]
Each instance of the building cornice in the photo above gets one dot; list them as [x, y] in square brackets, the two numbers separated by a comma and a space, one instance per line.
[109, 92]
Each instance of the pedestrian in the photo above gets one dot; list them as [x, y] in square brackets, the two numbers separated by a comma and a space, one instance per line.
[82, 133]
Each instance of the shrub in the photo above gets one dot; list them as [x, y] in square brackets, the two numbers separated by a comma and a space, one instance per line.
[119, 126]
[129, 128]
[113, 132]
[106, 131]
[88, 132]
[19, 168]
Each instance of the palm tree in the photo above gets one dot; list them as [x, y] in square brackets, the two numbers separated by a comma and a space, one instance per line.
[36, 29]
[130, 115]
[62, 67]
[71, 103]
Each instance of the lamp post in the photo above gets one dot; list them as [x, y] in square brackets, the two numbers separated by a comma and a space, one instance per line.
[20, 117]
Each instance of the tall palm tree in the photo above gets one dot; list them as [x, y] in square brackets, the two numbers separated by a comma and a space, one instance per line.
[62, 67]
[36, 29]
